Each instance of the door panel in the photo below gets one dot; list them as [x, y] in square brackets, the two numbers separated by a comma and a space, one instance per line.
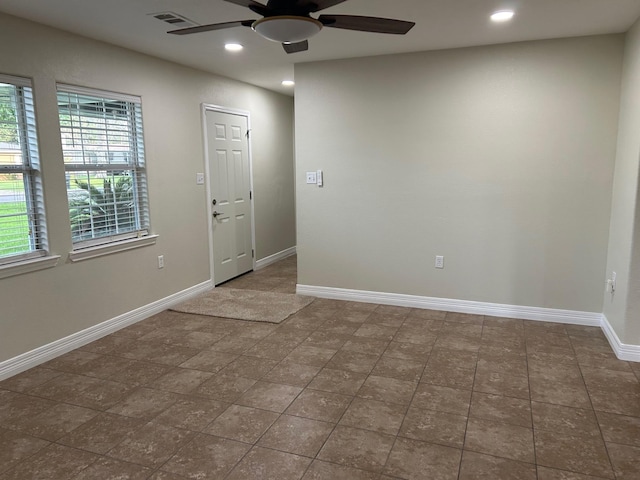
[231, 190]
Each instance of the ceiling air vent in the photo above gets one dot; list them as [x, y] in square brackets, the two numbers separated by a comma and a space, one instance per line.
[174, 19]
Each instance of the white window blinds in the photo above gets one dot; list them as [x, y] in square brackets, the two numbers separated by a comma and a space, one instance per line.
[103, 147]
[22, 219]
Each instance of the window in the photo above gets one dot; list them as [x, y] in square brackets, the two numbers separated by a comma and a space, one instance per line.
[103, 152]
[22, 222]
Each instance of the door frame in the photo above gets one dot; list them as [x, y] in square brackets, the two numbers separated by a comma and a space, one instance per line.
[208, 107]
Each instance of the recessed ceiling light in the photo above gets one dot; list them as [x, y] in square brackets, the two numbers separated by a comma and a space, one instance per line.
[233, 47]
[288, 83]
[502, 15]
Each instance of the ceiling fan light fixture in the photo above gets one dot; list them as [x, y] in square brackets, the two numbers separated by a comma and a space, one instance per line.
[233, 47]
[502, 15]
[287, 28]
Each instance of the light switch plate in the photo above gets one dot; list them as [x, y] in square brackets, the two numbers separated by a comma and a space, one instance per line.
[199, 178]
[311, 177]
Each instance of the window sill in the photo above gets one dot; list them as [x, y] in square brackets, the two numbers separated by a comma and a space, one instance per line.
[115, 247]
[27, 266]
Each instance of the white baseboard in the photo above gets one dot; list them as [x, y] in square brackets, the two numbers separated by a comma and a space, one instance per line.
[35, 357]
[276, 257]
[452, 305]
[623, 351]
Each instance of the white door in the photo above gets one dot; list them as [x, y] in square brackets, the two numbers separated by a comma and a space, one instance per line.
[230, 188]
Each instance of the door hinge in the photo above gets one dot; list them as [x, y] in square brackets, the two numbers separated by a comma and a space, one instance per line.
[250, 195]
[252, 253]
[248, 132]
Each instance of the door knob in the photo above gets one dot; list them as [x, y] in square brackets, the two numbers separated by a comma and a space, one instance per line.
[215, 214]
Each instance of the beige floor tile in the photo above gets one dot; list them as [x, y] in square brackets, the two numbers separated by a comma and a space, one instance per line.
[575, 453]
[434, 427]
[442, 399]
[189, 396]
[619, 429]
[367, 346]
[357, 448]
[448, 376]
[293, 374]
[317, 405]
[476, 466]
[192, 413]
[249, 367]
[329, 471]
[53, 461]
[102, 433]
[567, 394]
[144, 403]
[225, 387]
[244, 424]
[353, 362]
[374, 415]
[338, 381]
[206, 457]
[151, 445]
[30, 379]
[514, 411]
[108, 469]
[387, 390]
[408, 351]
[414, 460]
[180, 380]
[561, 419]
[269, 396]
[209, 361]
[56, 421]
[400, 369]
[297, 435]
[15, 446]
[501, 384]
[268, 464]
[545, 473]
[499, 439]
[626, 461]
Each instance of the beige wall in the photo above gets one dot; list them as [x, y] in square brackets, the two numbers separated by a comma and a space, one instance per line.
[500, 158]
[622, 309]
[38, 308]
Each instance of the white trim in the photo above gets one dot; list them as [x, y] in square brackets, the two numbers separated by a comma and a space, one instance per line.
[452, 305]
[17, 81]
[207, 172]
[27, 266]
[623, 351]
[276, 257]
[95, 92]
[35, 357]
[114, 247]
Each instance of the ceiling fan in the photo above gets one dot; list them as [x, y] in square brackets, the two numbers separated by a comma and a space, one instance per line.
[290, 22]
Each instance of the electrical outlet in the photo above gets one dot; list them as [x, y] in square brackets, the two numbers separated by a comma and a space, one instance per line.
[439, 261]
[160, 261]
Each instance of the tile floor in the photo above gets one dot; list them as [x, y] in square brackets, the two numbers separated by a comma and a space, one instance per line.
[339, 391]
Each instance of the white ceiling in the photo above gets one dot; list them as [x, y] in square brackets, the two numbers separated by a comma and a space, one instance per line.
[440, 24]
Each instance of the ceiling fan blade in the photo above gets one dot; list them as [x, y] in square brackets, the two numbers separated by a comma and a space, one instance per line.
[367, 24]
[321, 4]
[256, 7]
[296, 47]
[212, 26]
[303, 6]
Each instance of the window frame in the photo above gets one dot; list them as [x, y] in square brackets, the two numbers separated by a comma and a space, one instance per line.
[116, 241]
[29, 168]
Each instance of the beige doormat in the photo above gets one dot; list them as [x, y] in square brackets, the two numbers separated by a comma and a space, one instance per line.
[270, 307]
